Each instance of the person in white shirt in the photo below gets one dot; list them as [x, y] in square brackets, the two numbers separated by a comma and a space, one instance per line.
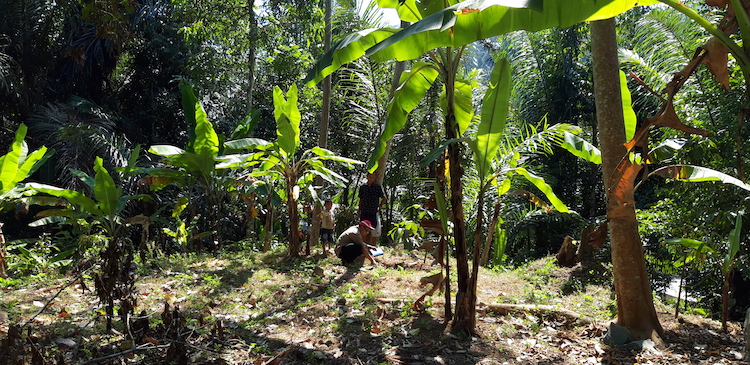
[352, 246]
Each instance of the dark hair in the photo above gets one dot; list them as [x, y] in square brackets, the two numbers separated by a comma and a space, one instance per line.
[328, 201]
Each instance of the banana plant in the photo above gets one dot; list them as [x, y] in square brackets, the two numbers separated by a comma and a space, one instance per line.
[727, 267]
[105, 209]
[693, 249]
[281, 162]
[194, 169]
[442, 30]
[16, 166]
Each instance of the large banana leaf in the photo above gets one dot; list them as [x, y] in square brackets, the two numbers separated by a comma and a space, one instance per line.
[105, 190]
[695, 249]
[734, 245]
[581, 148]
[204, 142]
[691, 173]
[468, 21]
[494, 112]
[288, 118]
[627, 108]
[414, 85]
[18, 164]
[542, 185]
[84, 203]
[464, 107]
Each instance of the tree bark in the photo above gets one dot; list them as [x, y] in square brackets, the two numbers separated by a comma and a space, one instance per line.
[464, 318]
[252, 36]
[635, 307]
[325, 115]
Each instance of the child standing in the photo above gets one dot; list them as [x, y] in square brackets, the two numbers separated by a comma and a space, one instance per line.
[327, 225]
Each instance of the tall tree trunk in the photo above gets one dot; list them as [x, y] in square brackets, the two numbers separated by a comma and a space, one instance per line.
[325, 115]
[635, 307]
[253, 37]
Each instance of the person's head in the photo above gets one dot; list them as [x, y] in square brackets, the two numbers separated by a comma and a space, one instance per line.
[328, 205]
[370, 178]
[365, 227]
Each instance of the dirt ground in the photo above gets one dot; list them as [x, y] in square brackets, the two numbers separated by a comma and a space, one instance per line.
[235, 310]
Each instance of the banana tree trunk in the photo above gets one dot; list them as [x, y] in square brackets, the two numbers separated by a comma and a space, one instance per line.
[294, 246]
[488, 242]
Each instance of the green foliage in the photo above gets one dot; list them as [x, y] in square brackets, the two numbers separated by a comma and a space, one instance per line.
[32, 257]
[105, 209]
[280, 164]
[17, 165]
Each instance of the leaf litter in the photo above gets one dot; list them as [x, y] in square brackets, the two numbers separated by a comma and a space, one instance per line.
[280, 313]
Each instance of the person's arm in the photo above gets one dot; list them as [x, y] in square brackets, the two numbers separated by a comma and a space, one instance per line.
[368, 255]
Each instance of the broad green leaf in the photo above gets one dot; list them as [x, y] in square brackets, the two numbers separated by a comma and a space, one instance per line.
[414, 85]
[247, 125]
[437, 152]
[248, 143]
[473, 20]
[84, 203]
[348, 49]
[288, 118]
[105, 190]
[166, 151]
[494, 113]
[464, 107]
[540, 184]
[699, 246]
[88, 180]
[689, 173]
[627, 108]
[206, 142]
[442, 207]
[132, 161]
[734, 245]
[468, 22]
[189, 103]
[330, 176]
[666, 150]
[203, 141]
[581, 148]
[11, 161]
[49, 220]
[239, 160]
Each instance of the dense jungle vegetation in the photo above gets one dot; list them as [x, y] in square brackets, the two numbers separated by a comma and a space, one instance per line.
[170, 158]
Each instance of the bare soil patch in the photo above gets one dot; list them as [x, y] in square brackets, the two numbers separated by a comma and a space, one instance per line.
[261, 309]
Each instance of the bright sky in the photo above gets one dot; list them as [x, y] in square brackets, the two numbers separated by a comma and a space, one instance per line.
[389, 15]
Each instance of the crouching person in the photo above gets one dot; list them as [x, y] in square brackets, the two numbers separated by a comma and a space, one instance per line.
[351, 245]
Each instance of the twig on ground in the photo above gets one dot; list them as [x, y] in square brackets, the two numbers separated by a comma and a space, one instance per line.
[122, 353]
[71, 282]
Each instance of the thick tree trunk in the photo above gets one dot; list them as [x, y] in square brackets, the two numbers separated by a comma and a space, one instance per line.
[635, 307]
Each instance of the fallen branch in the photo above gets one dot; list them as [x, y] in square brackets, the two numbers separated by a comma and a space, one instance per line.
[504, 309]
[123, 353]
[79, 277]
